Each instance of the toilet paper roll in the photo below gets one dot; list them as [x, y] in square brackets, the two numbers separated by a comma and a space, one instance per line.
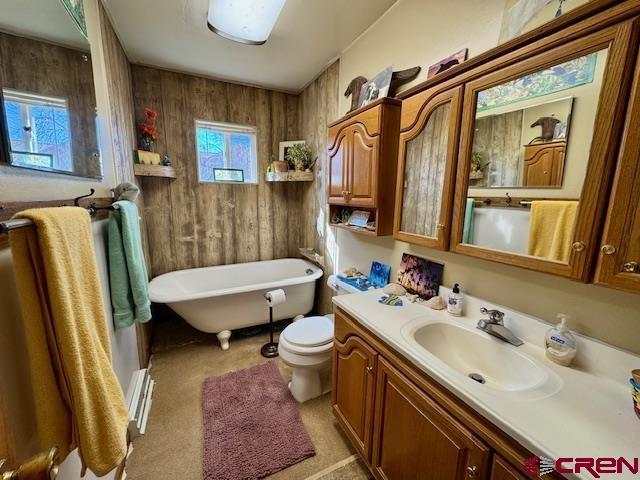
[275, 297]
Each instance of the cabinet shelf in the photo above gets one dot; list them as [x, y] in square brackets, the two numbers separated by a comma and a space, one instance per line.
[142, 170]
[351, 228]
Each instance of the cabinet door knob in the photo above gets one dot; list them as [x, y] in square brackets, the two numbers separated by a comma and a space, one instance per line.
[608, 249]
[472, 471]
[441, 226]
[578, 246]
[631, 267]
[369, 369]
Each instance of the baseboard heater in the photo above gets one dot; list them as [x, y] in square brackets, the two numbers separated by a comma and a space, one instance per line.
[139, 401]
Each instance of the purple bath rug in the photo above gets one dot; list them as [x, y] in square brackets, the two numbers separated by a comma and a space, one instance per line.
[252, 427]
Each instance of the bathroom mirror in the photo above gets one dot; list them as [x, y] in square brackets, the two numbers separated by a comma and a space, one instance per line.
[48, 119]
[426, 169]
[526, 172]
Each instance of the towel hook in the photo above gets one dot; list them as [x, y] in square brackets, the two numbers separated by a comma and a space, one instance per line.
[508, 200]
[76, 201]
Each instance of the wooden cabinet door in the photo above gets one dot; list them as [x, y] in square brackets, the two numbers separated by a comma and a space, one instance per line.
[363, 168]
[543, 165]
[501, 470]
[415, 439]
[619, 256]
[354, 364]
[338, 167]
[427, 157]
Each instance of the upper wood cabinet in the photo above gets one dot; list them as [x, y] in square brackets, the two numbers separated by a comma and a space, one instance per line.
[426, 167]
[544, 164]
[363, 148]
[525, 221]
[619, 255]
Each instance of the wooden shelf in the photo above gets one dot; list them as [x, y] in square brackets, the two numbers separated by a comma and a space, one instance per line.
[291, 176]
[364, 231]
[142, 170]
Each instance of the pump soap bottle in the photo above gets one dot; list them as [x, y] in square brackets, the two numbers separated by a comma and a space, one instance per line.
[455, 301]
[560, 344]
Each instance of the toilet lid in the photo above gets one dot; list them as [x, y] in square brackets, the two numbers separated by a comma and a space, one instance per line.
[309, 332]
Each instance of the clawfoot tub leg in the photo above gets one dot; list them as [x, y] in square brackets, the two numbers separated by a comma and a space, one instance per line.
[224, 336]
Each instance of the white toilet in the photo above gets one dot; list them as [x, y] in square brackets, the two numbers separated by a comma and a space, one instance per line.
[307, 347]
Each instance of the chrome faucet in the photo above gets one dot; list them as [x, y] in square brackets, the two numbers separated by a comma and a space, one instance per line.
[494, 325]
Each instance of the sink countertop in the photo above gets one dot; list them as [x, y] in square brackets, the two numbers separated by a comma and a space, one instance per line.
[585, 411]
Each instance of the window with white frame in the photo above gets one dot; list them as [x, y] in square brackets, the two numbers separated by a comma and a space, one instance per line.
[226, 153]
[39, 130]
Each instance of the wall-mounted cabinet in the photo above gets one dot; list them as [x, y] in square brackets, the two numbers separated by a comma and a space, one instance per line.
[427, 151]
[562, 223]
[514, 160]
[619, 257]
[363, 152]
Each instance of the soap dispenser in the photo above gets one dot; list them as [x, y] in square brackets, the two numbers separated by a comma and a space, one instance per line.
[560, 344]
[455, 301]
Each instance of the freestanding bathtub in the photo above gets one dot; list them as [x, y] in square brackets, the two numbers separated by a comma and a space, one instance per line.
[223, 298]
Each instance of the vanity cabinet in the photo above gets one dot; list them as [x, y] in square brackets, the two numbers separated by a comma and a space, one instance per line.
[363, 151]
[353, 390]
[404, 424]
[501, 470]
[414, 435]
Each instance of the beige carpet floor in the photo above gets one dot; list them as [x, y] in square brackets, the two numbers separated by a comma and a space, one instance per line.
[172, 445]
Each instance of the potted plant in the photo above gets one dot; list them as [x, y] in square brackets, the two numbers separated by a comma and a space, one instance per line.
[299, 157]
[477, 167]
[148, 130]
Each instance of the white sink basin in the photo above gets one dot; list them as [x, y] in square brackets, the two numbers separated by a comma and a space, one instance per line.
[477, 355]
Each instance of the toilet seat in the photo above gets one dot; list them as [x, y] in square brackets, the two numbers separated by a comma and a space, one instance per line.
[309, 332]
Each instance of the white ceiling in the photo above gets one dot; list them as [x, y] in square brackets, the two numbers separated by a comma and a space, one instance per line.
[43, 20]
[309, 34]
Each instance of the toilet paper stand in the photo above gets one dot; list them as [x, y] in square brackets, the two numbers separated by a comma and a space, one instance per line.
[270, 349]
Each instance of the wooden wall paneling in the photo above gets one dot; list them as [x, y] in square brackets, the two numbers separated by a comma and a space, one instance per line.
[119, 85]
[147, 93]
[318, 106]
[265, 191]
[193, 224]
[499, 139]
[279, 205]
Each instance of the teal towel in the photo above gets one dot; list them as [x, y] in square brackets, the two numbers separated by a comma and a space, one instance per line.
[127, 270]
[467, 232]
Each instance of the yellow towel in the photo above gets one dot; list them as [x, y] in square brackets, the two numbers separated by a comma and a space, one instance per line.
[79, 402]
[551, 228]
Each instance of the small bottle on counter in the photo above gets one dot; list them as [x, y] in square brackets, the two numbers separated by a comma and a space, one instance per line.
[455, 301]
[560, 344]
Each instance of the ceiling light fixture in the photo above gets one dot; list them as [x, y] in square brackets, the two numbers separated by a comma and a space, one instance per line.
[244, 21]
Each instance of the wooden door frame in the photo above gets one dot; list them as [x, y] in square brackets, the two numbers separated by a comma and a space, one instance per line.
[433, 100]
[625, 195]
[621, 43]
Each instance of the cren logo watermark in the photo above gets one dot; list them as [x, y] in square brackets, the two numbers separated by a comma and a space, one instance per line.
[596, 467]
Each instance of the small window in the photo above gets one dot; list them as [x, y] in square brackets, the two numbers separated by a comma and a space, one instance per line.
[226, 153]
[39, 131]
